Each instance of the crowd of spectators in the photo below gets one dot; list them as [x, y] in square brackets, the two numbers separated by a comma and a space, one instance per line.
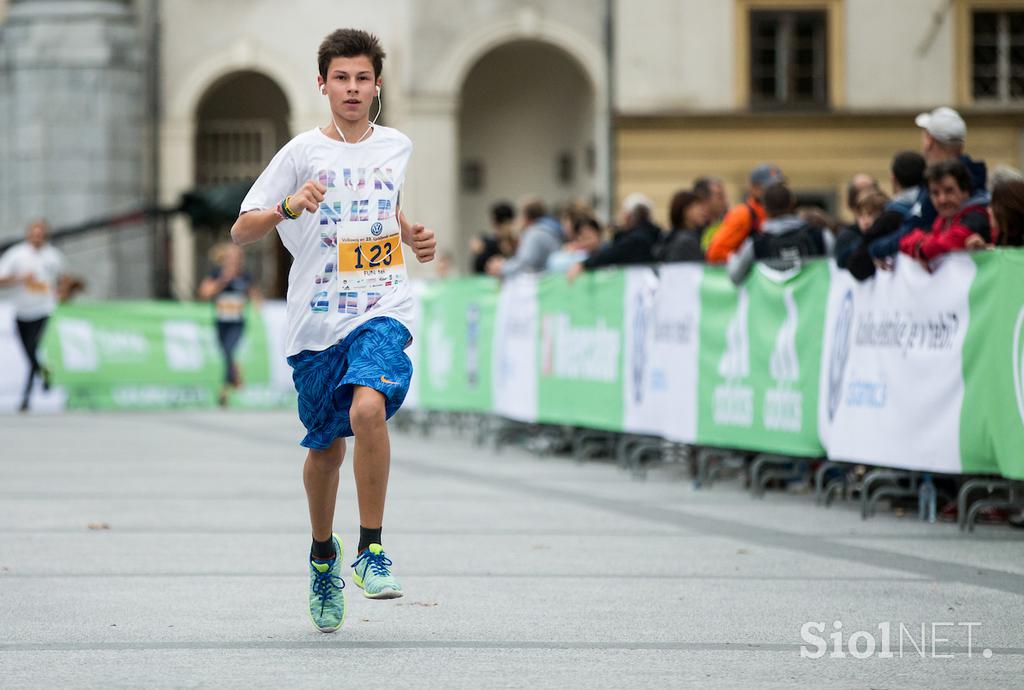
[938, 200]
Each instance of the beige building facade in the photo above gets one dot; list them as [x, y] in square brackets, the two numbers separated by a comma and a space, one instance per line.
[823, 88]
[577, 99]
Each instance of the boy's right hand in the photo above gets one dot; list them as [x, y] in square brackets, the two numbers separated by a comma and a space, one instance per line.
[307, 198]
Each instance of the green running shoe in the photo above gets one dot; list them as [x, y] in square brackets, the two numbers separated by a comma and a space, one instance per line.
[326, 598]
[372, 573]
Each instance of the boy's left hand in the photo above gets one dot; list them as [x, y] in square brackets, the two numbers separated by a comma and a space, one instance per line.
[424, 243]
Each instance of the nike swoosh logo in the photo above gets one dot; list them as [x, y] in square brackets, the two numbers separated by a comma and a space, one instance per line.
[384, 380]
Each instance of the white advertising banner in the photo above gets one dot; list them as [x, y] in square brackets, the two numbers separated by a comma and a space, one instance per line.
[662, 317]
[515, 364]
[892, 376]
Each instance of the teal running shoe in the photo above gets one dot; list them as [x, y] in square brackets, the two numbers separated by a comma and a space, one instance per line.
[372, 573]
[326, 598]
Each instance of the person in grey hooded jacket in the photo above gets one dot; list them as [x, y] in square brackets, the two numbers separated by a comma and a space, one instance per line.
[785, 240]
[541, 237]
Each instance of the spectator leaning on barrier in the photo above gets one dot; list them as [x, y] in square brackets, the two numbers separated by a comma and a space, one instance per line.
[743, 219]
[542, 236]
[943, 138]
[961, 214]
[902, 214]
[785, 240]
[586, 239]
[1007, 210]
[33, 268]
[500, 242]
[633, 244]
[850, 236]
[712, 190]
[688, 213]
[874, 216]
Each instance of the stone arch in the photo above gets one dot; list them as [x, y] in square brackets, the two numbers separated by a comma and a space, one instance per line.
[527, 26]
[243, 56]
[239, 122]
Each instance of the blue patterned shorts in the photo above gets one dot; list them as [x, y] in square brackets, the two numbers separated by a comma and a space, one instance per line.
[373, 355]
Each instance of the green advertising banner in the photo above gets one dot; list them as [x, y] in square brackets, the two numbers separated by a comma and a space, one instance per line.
[910, 347]
[992, 415]
[581, 350]
[455, 344]
[760, 356]
[138, 355]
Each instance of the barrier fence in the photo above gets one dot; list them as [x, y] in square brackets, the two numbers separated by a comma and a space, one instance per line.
[910, 370]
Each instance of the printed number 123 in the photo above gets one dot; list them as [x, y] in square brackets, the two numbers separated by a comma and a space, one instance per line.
[378, 255]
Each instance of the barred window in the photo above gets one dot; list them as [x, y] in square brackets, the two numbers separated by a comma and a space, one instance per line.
[788, 59]
[233, 150]
[997, 56]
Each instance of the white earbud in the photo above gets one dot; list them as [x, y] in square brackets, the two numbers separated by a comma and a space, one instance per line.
[378, 92]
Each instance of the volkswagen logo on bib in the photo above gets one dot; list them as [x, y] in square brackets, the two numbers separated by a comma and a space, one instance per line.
[376, 229]
[1018, 362]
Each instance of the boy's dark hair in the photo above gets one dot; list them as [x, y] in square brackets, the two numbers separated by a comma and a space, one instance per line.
[502, 212]
[778, 200]
[954, 168]
[534, 210]
[681, 201]
[350, 43]
[908, 168]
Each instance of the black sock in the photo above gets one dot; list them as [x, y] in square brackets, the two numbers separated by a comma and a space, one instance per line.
[323, 550]
[368, 536]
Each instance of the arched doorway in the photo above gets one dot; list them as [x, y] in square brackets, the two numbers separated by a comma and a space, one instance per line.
[241, 122]
[526, 127]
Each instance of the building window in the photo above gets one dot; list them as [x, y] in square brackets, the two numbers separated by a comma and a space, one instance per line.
[233, 150]
[997, 56]
[472, 176]
[788, 59]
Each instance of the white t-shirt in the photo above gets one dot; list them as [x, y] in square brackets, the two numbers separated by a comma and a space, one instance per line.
[348, 266]
[38, 297]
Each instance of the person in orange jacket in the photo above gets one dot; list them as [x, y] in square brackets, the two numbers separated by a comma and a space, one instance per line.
[745, 218]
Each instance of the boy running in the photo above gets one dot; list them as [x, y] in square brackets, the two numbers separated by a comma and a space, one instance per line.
[333, 195]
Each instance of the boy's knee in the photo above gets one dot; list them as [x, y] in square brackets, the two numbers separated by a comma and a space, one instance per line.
[327, 459]
[367, 410]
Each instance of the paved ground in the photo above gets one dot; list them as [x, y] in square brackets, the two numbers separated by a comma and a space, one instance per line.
[520, 572]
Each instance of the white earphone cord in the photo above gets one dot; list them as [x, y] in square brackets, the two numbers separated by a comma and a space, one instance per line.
[380, 107]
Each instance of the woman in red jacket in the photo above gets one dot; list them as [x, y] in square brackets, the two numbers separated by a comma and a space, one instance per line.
[960, 214]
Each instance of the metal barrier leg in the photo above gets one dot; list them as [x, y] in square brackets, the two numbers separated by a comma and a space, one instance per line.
[1010, 502]
[755, 473]
[836, 486]
[963, 496]
[819, 479]
[875, 477]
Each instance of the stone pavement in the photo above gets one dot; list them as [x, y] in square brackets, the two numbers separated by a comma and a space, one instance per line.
[169, 550]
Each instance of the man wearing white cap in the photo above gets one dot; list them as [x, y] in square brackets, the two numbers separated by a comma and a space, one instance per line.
[943, 138]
